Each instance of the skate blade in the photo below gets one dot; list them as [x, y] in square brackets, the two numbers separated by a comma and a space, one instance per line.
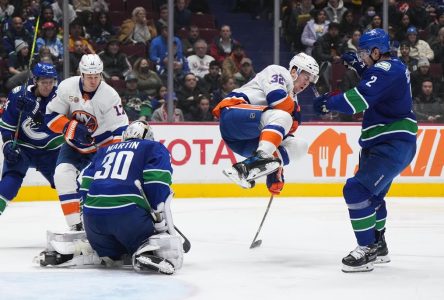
[364, 268]
[155, 263]
[269, 168]
[232, 174]
[382, 259]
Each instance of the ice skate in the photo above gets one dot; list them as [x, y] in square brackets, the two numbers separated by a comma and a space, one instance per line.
[76, 227]
[245, 173]
[360, 260]
[382, 253]
[148, 262]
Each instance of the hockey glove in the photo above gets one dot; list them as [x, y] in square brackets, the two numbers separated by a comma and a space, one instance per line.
[320, 104]
[78, 132]
[12, 154]
[275, 181]
[297, 118]
[352, 61]
[160, 223]
[27, 105]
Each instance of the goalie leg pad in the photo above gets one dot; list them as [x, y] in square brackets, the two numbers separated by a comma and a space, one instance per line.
[170, 248]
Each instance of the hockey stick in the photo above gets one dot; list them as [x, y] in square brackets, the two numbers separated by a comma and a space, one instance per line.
[16, 132]
[257, 243]
[186, 244]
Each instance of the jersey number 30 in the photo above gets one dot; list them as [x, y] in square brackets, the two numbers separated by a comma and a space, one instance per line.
[115, 165]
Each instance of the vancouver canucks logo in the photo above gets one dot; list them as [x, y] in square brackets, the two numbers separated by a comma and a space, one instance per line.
[32, 130]
[86, 119]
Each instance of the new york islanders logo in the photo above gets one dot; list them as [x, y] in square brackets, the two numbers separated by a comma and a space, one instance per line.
[86, 119]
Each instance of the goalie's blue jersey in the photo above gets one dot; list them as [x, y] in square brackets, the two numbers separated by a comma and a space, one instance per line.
[32, 134]
[108, 183]
[384, 94]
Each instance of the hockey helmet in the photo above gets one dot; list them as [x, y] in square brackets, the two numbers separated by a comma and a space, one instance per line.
[90, 64]
[375, 38]
[44, 70]
[304, 62]
[138, 130]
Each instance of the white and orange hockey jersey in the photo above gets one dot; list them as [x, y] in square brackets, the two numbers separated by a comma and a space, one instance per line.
[272, 87]
[103, 114]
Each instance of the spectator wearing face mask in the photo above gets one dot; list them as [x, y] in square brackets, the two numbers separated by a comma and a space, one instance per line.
[367, 18]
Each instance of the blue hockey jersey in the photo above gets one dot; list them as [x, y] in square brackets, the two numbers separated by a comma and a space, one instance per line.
[32, 135]
[108, 183]
[384, 94]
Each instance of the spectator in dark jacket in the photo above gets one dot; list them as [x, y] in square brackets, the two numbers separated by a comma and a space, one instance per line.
[212, 80]
[427, 106]
[418, 14]
[182, 15]
[189, 93]
[115, 63]
[327, 50]
[16, 32]
[102, 29]
[202, 111]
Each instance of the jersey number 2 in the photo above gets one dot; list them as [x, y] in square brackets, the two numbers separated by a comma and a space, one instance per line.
[117, 164]
[372, 80]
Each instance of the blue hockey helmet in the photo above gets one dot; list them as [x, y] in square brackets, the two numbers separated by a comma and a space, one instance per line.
[375, 38]
[44, 70]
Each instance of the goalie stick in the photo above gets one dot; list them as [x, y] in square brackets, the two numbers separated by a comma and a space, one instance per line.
[257, 243]
[186, 244]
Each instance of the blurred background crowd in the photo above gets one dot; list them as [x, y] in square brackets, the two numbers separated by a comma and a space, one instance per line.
[218, 46]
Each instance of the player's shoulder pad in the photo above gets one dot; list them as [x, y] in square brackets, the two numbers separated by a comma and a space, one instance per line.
[383, 65]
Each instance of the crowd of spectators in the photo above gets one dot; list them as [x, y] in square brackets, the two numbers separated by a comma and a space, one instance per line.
[209, 62]
[328, 28]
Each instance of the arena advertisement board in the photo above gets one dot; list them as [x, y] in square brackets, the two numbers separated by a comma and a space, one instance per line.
[199, 155]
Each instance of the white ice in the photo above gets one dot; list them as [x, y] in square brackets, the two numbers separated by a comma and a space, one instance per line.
[304, 240]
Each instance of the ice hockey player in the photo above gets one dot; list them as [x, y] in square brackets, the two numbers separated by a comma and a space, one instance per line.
[36, 145]
[258, 119]
[388, 142]
[90, 115]
[121, 187]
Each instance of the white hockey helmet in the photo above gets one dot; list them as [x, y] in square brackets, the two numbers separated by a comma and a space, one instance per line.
[90, 64]
[138, 130]
[304, 62]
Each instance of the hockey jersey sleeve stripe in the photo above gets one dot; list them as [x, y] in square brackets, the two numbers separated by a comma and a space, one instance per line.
[407, 125]
[58, 123]
[86, 183]
[7, 126]
[163, 176]
[356, 100]
[286, 105]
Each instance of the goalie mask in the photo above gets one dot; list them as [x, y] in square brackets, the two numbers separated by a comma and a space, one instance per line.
[138, 130]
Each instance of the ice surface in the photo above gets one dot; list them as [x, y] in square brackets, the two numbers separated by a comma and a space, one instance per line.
[304, 240]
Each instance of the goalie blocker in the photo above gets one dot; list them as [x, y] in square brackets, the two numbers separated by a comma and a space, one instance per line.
[162, 253]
